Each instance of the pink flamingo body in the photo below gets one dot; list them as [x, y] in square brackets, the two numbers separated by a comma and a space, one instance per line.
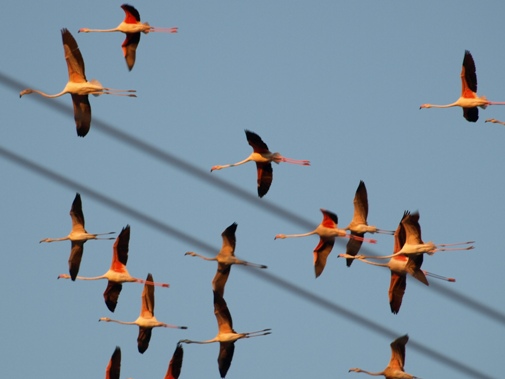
[468, 100]
[117, 273]
[263, 158]
[132, 27]
[327, 231]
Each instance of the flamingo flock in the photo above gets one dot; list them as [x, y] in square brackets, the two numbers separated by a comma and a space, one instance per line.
[406, 259]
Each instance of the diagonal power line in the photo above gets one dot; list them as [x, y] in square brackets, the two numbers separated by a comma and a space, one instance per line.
[268, 277]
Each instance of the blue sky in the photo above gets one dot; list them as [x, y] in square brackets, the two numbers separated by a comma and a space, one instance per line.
[337, 83]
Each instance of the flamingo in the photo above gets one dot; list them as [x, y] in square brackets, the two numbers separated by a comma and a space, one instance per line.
[146, 321]
[400, 265]
[414, 245]
[468, 100]
[78, 86]
[174, 367]
[263, 158]
[226, 336]
[132, 27]
[395, 369]
[78, 236]
[359, 225]
[117, 274]
[327, 231]
[114, 367]
[495, 121]
[225, 258]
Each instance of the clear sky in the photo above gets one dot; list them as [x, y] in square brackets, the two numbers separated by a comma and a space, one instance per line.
[338, 83]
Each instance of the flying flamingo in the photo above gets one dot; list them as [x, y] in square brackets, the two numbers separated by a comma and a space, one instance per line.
[78, 236]
[225, 258]
[400, 265]
[327, 231]
[414, 245]
[174, 367]
[114, 367]
[468, 100]
[226, 336]
[395, 369]
[263, 158]
[117, 274]
[146, 321]
[359, 225]
[495, 121]
[132, 27]
[78, 86]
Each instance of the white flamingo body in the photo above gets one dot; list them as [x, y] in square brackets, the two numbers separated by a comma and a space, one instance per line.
[226, 335]
[78, 86]
[78, 236]
[146, 320]
[395, 368]
[225, 258]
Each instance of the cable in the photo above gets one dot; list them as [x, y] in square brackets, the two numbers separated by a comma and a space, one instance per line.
[288, 286]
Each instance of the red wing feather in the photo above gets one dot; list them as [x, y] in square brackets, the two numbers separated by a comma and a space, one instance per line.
[132, 16]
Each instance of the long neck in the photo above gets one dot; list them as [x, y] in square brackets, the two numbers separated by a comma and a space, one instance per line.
[55, 239]
[282, 236]
[122, 322]
[201, 256]
[200, 342]
[65, 276]
[369, 373]
[48, 95]
[99, 30]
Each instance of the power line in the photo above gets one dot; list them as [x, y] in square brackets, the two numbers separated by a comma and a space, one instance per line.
[266, 276]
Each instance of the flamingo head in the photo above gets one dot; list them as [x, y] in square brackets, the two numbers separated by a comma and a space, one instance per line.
[106, 319]
[83, 30]
[215, 168]
[280, 236]
[63, 276]
[25, 92]
[425, 106]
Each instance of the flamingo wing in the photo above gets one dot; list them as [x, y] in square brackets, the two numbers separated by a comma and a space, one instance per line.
[129, 47]
[396, 290]
[82, 114]
[75, 258]
[412, 228]
[73, 56]
[221, 277]
[400, 234]
[469, 86]
[360, 204]
[144, 338]
[353, 246]
[120, 249]
[174, 367]
[223, 316]
[330, 219]
[114, 366]
[321, 252]
[265, 177]
[256, 142]
[229, 240]
[147, 307]
[132, 15]
[76, 214]
[226, 350]
[413, 267]
[398, 352]
[471, 114]
[111, 294]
